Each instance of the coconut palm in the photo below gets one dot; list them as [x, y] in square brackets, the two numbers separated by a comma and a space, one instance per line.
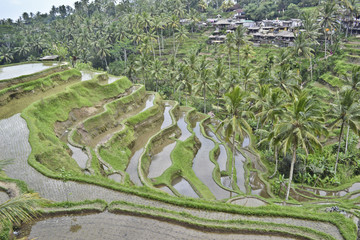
[273, 109]
[20, 209]
[239, 40]
[347, 112]
[156, 72]
[352, 80]
[229, 44]
[300, 126]
[6, 54]
[235, 124]
[204, 83]
[328, 19]
[302, 48]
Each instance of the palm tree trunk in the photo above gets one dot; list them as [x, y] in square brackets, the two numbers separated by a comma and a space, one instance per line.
[291, 172]
[232, 163]
[325, 44]
[159, 46]
[338, 151]
[229, 65]
[311, 70]
[204, 95]
[239, 60]
[276, 162]
[347, 138]
[125, 57]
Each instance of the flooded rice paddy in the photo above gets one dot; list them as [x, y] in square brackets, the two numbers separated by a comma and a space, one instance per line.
[162, 160]
[139, 147]
[117, 226]
[184, 187]
[204, 168]
[23, 69]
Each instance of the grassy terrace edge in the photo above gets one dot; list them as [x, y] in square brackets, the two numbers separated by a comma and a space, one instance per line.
[86, 94]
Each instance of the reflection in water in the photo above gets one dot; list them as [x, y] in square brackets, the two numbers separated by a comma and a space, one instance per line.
[257, 186]
[222, 158]
[23, 69]
[79, 156]
[142, 140]
[184, 187]
[246, 142]
[161, 161]
[87, 75]
[204, 168]
[165, 189]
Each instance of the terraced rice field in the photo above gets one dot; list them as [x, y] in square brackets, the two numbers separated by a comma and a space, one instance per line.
[161, 169]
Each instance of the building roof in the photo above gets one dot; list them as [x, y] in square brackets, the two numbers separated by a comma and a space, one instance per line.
[285, 34]
[223, 22]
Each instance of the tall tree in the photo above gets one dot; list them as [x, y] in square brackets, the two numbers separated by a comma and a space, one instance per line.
[300, 126]
[235, 125]
[347, 112]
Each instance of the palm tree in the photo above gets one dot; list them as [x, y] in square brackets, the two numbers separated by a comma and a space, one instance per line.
[300, 126]
[157, 71]
[20, 209]
[181, 35]
[247, 52]
[235, 124]
[204, 83]
[246, 76]
[239, 40]
[142, 64]
[219, 75]
[229, 43]
[184, 79]
[6, 54]
[353, 81]
[272, 111]
[103, 50]
[302, 48]
[174, 24]
[328, 19]
[347, 112]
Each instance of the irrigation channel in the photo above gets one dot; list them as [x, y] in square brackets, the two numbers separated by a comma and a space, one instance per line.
[153, 222]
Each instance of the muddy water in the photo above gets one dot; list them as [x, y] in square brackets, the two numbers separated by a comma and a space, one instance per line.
[112, 79]
[23, 69]
[240, 171]
[182, 124]
[184, 187]
[111, 226]
[324, 193]
[246, 142]
[257, 186]
[226, 181]
[79, 156]
[141, 141]
[17, 105]
[222, 158]
[161, 161]
[16, 146]
[204, 168]
[87, 75]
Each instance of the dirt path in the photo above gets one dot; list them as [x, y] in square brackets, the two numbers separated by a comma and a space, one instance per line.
[14, 144]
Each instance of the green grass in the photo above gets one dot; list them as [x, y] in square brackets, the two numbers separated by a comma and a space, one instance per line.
[43, 83]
